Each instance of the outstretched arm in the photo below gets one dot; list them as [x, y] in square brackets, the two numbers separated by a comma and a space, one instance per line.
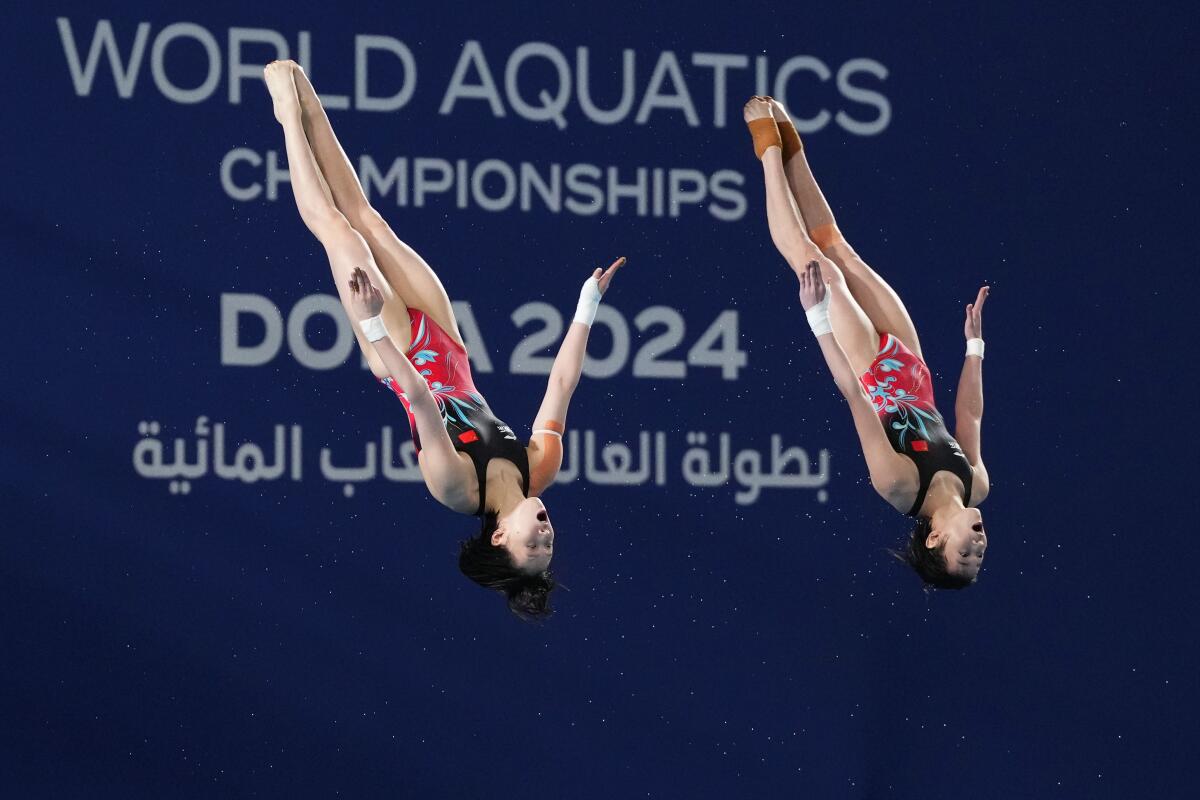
[968, 405]
[550, 422]
[889, 473]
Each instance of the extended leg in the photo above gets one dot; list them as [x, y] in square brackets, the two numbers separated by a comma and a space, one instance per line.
[345, 248]
[409, 274]
[851, 326]
[880, 302]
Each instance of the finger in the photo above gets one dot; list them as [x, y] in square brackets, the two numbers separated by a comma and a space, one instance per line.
[983, 293]
[612, 269]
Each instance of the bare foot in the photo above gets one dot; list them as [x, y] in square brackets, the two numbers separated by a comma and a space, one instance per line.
[757, 108]
[278, 77]
[304, 89]
[778, 111]
[812, 285]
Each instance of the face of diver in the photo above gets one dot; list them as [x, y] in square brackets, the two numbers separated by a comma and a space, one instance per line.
[526, 533]
[965, 541]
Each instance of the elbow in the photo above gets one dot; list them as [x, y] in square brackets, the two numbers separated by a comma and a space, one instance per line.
[969, 411]
[564, 380]
[889, 487]
[421, 399]
[851, 390]
[566, 388]
[882, 487]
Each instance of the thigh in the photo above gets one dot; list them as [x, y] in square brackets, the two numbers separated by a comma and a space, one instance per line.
[858, 337]
[413, 280]
[347, 250]
[876, 298]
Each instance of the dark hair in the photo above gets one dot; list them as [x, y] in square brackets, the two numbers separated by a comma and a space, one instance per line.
[929, 562]
[491, 566]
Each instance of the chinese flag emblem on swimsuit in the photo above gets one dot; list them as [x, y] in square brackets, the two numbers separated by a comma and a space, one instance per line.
[468, 436]
[920, 445]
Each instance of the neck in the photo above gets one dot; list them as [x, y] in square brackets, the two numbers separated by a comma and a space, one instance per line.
[942, 500]
[504, 493]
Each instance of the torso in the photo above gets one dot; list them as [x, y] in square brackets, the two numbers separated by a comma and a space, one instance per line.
[904, 494]
[487, 448]
[900, 388]
[463, 494]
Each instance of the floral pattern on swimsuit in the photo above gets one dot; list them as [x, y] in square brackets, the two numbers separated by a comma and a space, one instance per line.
[901, 390]
[443, 364]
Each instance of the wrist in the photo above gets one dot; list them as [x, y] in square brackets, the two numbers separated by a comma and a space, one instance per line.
[818, 317]
[373, 328]
[975, 347]
[589, 302]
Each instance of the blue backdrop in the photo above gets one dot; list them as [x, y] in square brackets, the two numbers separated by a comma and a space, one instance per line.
[179, 622]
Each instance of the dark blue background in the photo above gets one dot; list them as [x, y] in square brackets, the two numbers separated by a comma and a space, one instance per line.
[282, 640]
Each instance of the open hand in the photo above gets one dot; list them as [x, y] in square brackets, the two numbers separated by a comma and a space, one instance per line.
[973, 327]
[605, 276]
[812, 285]
[366, 301]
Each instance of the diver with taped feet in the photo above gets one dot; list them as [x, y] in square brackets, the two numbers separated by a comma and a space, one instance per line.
[871, 347]
[471, 461]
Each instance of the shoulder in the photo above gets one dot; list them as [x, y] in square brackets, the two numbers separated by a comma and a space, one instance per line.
[897, 482]
[542, 446]
[545, 454]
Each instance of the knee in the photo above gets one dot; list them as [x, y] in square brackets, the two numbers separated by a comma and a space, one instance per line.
[831, 273]
[799, 251]
[839, 250]
[827, 237]
[328, 225]
[367, 220]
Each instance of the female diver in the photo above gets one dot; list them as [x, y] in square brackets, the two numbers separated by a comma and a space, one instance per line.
[471, 461]
[872, 349]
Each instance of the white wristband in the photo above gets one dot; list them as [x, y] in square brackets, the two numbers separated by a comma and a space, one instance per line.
[975, 347]
[373, 328]
[818, 317]
[589, 301]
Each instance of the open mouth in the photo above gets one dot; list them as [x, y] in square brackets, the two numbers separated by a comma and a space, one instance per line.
[541, 516]
[977, 527]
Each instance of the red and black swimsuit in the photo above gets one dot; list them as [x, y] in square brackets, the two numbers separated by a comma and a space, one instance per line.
[901, 389]
[472, 426]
